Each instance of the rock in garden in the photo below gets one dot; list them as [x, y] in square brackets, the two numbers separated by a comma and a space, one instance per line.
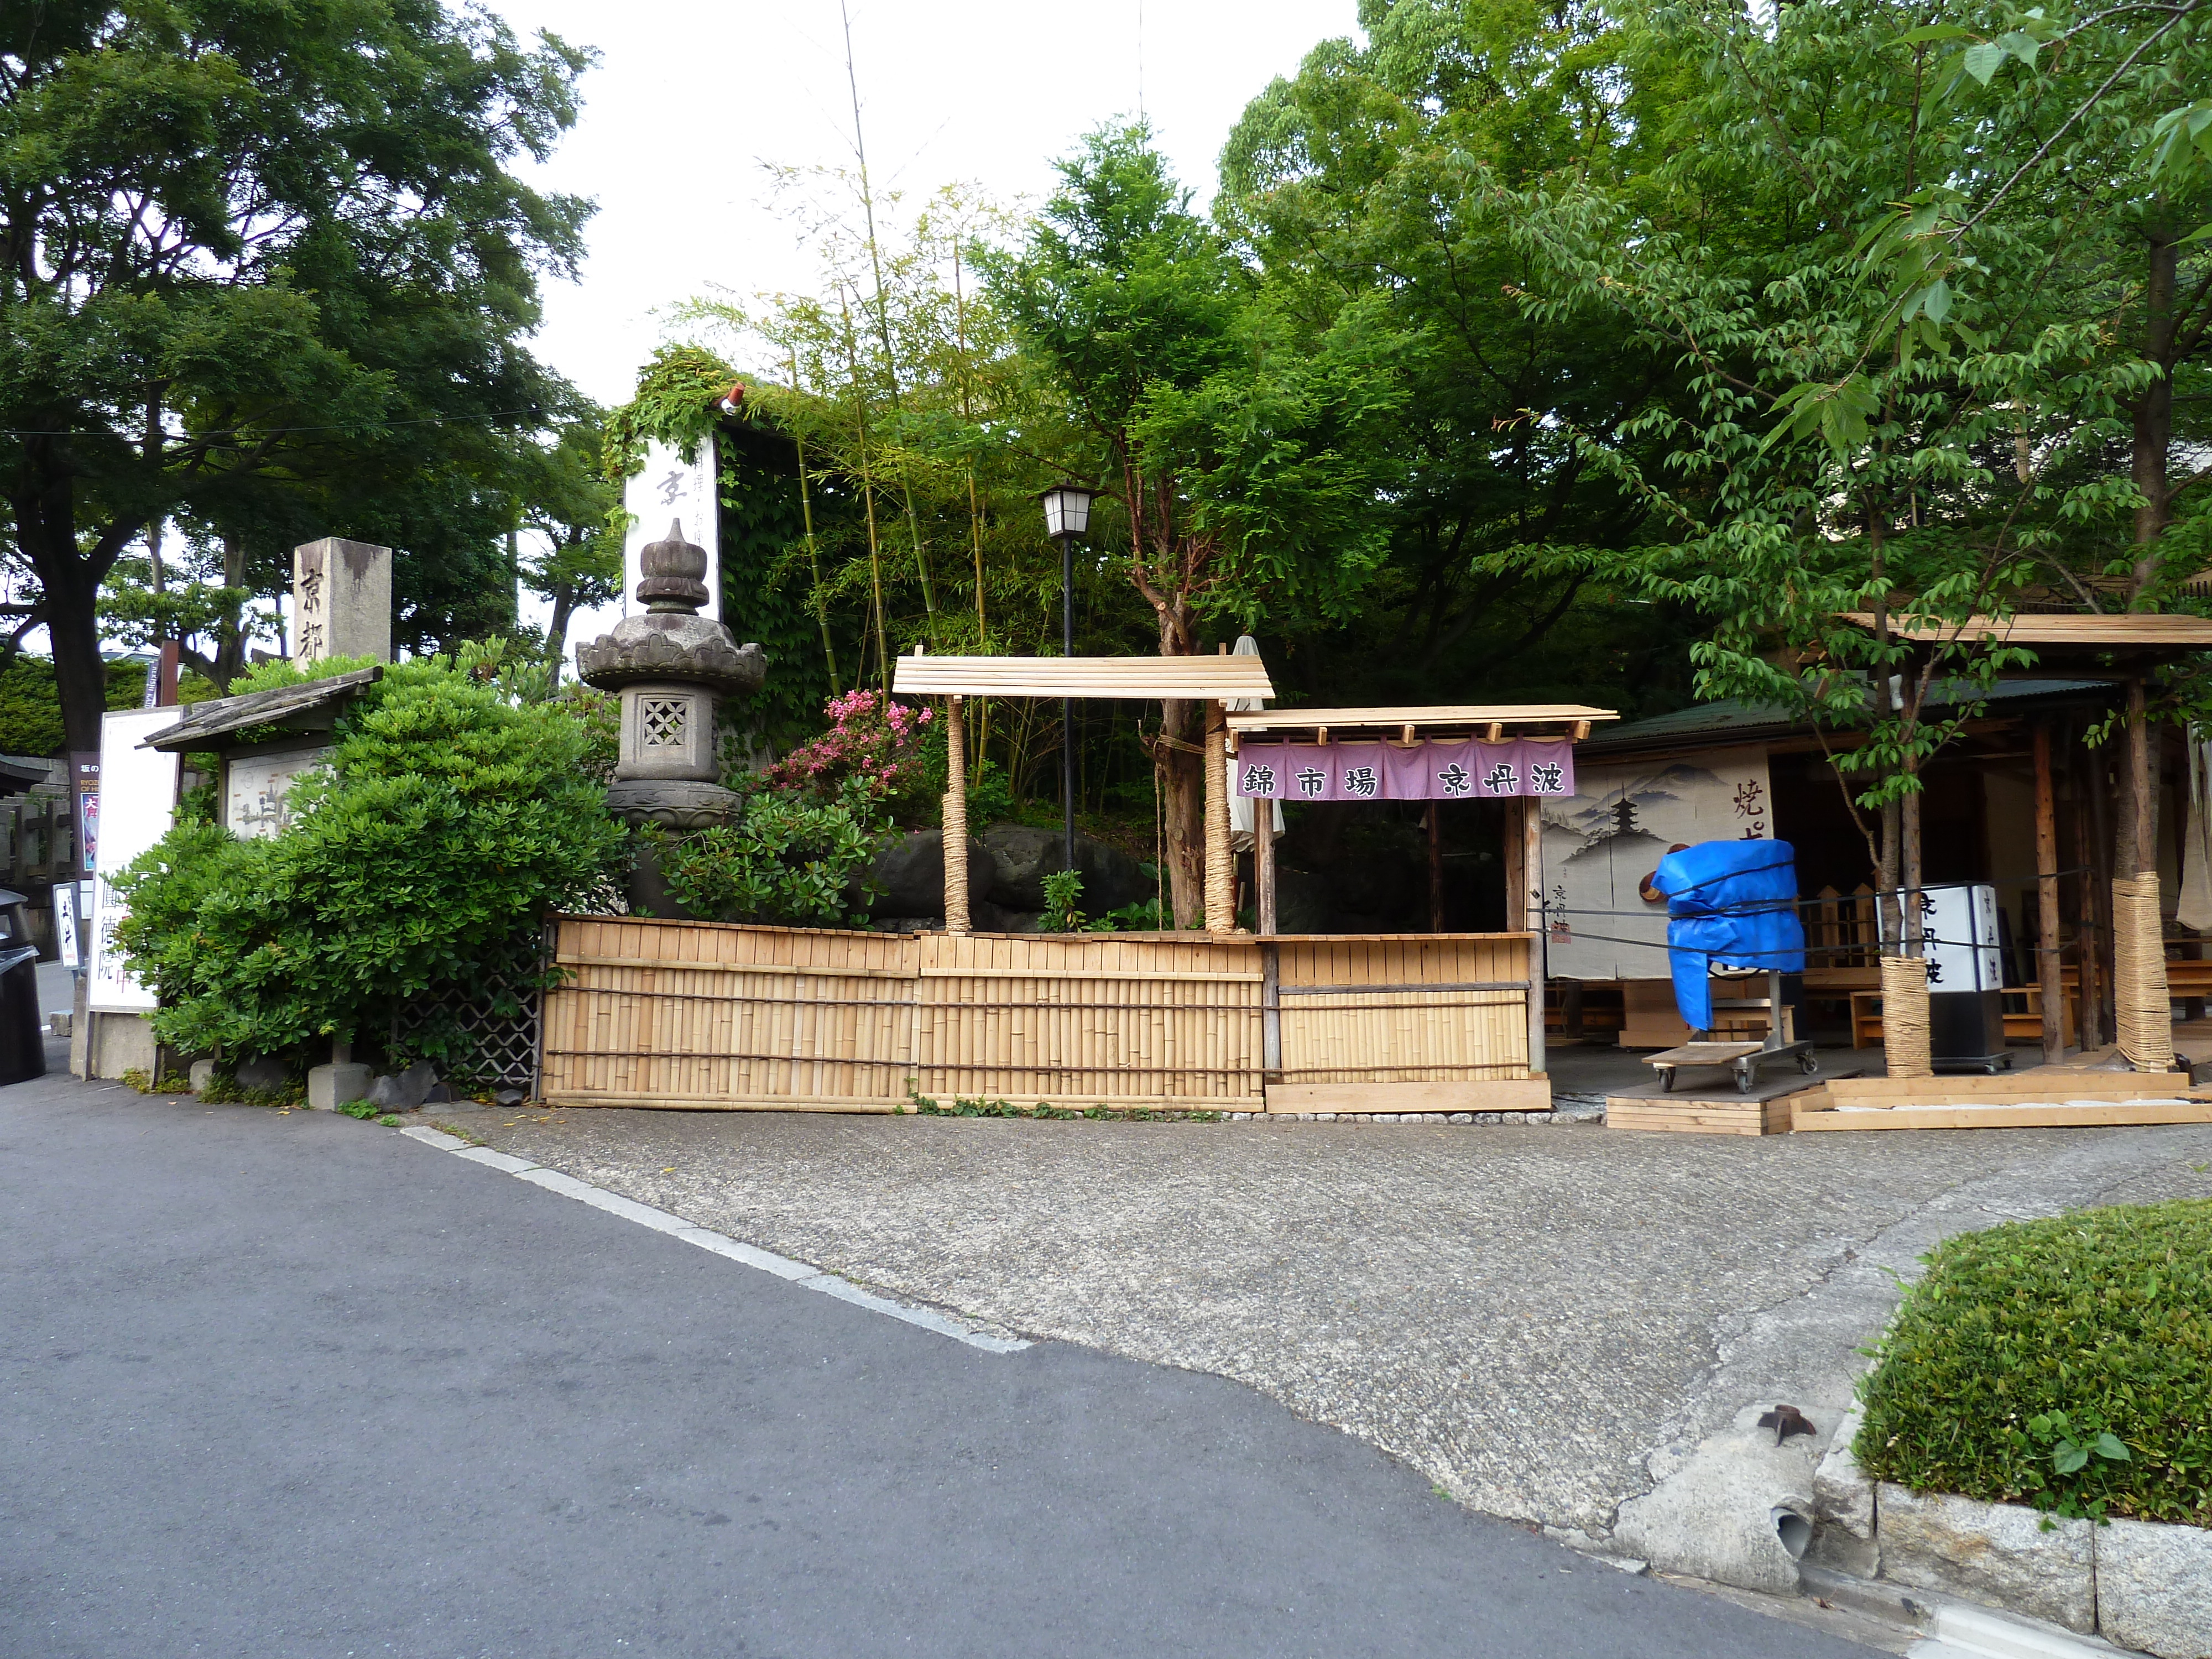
[910, 874]
[1022, 855]
[509, 1097]
[407, 1091]
[261, 1072]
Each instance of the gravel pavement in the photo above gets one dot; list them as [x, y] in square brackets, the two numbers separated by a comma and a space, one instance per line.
[1527, 1315]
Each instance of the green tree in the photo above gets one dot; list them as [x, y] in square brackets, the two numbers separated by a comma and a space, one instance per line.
[264, 272]
[1370, 191]
[1244, 456]
[1932, 316]
[568, 501]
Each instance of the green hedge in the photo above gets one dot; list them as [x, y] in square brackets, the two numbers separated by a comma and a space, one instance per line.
[31, 704]
[2065, 1363]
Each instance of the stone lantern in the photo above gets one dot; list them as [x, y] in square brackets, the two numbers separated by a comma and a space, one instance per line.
[673, 666]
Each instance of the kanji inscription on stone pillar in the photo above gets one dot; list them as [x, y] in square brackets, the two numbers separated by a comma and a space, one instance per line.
[341, 600]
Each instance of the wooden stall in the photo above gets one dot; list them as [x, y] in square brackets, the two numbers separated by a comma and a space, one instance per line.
[704, 1015]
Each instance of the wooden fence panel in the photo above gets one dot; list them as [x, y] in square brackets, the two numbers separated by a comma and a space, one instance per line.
[1089, 1020]
[691, 1013]
[1415, 1009]
[674, 1013]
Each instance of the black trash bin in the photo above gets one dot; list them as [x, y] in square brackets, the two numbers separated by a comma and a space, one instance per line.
[22, 1041]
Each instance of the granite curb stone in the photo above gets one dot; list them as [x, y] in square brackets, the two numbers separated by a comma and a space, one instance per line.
[1992, 1552]
[2155, 1587]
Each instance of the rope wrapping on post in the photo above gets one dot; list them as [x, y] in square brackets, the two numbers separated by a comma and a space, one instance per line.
[955, 820]
[2142, 1006]
[1220, 863]
[1905, 1016]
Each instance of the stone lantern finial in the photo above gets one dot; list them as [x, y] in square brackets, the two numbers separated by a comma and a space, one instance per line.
[673, 568]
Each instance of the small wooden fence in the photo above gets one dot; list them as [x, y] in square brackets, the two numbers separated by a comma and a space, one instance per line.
[695, 1014]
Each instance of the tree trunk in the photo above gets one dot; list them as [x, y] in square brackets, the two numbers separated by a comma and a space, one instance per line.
[44, 502]
[556, 631]
[1183, 799]
[2152, 437]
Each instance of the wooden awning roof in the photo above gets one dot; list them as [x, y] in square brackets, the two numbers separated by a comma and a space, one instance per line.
[2122, 631]
[1200, 678]
[1445, 716]
[311, 705]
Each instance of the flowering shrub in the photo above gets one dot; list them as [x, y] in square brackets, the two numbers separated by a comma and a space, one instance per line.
[873, 744]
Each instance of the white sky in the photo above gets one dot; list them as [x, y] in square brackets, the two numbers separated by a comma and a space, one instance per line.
[691, 97]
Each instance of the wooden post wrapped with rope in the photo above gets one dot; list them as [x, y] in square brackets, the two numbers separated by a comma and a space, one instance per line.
[1904, 1038]
[1220, 863]
[955, 820]
[2142, 1005]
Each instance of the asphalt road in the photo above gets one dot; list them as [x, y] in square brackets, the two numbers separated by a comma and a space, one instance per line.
[285, 1385]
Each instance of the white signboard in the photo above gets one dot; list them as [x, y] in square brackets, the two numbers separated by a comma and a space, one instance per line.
[1959, 922]
[137, 802]
[65, 943]
[1602, 843]
[254, 789]
[672, 488]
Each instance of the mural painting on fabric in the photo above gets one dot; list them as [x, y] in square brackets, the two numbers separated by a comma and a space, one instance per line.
[1603, 841]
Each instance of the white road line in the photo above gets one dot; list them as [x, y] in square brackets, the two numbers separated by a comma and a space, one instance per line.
[751, 1255]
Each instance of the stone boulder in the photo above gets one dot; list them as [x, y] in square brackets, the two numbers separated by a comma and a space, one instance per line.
[1022, 856]
[407, 1089]
[910, 872]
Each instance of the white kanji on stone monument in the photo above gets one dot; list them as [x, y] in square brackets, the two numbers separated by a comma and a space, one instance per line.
[669, 487]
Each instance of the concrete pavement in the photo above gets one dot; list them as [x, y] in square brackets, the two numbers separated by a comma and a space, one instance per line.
[1544, 1319]
[291, 1384]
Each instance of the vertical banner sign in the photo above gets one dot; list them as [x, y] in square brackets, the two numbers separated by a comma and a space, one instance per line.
[84, 785]
[138, 789]
[669, 488]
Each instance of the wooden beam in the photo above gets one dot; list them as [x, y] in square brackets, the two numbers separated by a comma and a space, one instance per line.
[1532, 873]
[1146, 677]
[1435, 828]
[1460, 716]
[955, 820]
[2046, 897]
[1263, 865]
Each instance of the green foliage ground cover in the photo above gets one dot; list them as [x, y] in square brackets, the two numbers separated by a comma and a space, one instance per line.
[2065, 1363]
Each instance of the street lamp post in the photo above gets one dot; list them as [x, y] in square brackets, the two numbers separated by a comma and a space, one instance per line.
[1067, 516]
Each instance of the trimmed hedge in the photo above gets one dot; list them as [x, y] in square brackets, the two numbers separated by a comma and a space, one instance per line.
[2064, 1363]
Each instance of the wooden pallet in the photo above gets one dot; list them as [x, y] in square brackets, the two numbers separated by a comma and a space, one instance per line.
[2048, 1097]
[1717, 1115]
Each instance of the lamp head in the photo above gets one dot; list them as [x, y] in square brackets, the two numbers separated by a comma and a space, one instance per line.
[1066, 509]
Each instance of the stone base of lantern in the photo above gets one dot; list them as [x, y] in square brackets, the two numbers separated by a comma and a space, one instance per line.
[674, 804]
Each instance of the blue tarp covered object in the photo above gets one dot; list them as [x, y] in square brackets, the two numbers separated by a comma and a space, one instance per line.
[1729, 904]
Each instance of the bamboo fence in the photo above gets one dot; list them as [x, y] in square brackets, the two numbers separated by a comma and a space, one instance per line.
[698, 1014]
